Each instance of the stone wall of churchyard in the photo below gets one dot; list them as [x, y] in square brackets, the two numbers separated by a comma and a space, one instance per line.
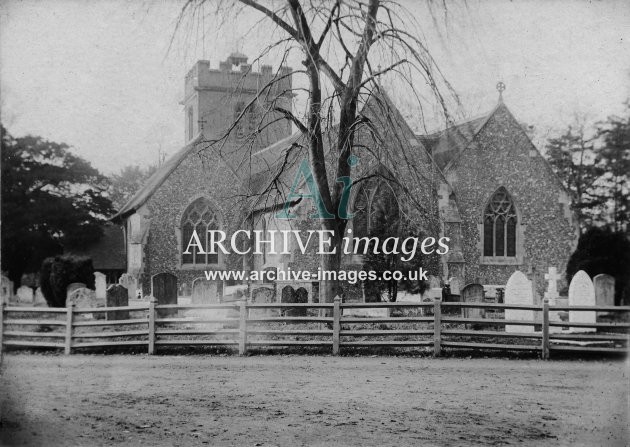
[190, 180]
[502, 155]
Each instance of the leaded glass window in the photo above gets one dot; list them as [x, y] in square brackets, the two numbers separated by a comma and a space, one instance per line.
[499, 226]
[198, 216]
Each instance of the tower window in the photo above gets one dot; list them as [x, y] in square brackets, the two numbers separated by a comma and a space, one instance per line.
[189, 119]
[499, 226]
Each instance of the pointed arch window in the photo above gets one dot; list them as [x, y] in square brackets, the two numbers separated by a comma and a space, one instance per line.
[375, 210]
[198, 216]
[499, 226]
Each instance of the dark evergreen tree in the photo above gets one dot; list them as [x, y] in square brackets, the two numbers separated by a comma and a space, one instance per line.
[601, 250]
[51, 200]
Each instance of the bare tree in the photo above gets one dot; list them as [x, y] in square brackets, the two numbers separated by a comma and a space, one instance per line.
[346, 46]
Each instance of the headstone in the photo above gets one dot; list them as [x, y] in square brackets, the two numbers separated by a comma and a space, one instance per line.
[185, 289]
[164, 288]
[518, 290]
[473, 293]
[455, 285]
[262, 295]
[552, 278]
[40, 300]
[129, 282]
[204, 292]
[117, 296]
[6, 286]
[81, 298]
[581, 293]
[301, 296]
[100, 284]
[433, 293]
[74, 286]
[288, 296]
[604, 289]
[25, 295]
[434, 282]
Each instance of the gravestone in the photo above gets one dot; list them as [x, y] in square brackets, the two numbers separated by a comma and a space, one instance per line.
[518, 290]
[82, 298]
[185, 290]
[40, 300]
[301, 296]
[288, 296]
[117, 296]
[204, 292]
[164, 289]
[130, 283]
[74, 286]
[604, 289]
[6, 286]
[25, 295]
[581, 293]
[434, 282]
[100, 285]
[262, 295]
[472, 293]
[455, 286]
[553, 296]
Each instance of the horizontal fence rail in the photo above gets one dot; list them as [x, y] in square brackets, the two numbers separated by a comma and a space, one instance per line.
[431, 326]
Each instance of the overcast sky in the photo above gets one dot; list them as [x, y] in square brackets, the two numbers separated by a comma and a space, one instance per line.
[97, 75]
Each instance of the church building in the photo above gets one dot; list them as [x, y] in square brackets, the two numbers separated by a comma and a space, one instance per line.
[481, 183]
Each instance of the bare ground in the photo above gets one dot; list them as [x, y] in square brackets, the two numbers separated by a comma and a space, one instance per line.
[87, 400]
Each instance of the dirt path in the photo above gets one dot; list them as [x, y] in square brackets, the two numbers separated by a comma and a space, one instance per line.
[297, 400]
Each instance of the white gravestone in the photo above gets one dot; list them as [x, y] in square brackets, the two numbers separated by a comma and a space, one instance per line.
[130, 283]
[25, 295]
[455, 286]
[518, 290]
[604, 289]
[100, 284]
[40, 300]
[552, 295]
[581, 293]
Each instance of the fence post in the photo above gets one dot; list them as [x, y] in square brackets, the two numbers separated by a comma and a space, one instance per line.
[437, 327]
[151, 316]
[242, 339]
[2, 312]
[545, 329]
[336, 324]
[69, 317]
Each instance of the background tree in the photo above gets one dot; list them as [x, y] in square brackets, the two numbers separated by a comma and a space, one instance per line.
[342, 46]
[601, 250]
[614, 154]
[58, 272]
[51, 200]
[127, 182]
[573, 158]
[595, 170]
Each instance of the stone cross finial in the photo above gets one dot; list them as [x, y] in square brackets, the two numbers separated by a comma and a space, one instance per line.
[500, 89]
[552, 277]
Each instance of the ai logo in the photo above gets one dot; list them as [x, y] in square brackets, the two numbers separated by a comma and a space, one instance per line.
[305, 175]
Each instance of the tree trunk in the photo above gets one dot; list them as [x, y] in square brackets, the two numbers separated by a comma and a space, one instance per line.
[331, 262]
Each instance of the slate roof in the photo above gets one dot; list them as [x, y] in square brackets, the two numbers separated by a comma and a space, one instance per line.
[265, 165]
[155, 181]
[445, 145]
[109, 252]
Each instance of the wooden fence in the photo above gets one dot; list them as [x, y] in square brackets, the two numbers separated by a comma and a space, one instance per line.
[431, 326]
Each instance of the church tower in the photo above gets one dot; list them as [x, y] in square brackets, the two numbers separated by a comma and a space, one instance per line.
[214, 98]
